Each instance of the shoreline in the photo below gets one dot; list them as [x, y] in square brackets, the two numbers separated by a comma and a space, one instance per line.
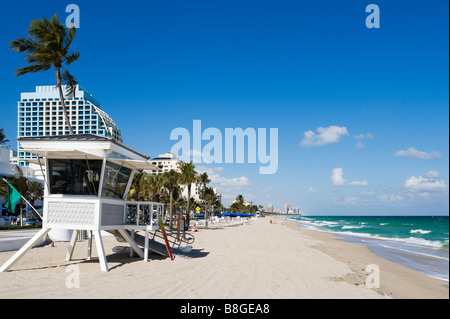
[396, 280]
[255, 260]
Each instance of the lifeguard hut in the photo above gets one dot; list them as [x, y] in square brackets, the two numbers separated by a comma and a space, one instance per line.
[87, 180]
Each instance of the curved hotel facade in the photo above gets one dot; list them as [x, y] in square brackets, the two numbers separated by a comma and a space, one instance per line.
[40, 114]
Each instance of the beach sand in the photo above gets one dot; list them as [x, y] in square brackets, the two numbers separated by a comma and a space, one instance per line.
[256, 260]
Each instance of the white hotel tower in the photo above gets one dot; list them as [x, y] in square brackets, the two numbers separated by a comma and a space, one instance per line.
[40, 114]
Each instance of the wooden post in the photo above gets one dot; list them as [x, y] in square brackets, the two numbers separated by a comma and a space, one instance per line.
[89, 252]
[22, 251]
[146, 246]
[101, 251]
[130, 241]
[73, 242]
[132, 238]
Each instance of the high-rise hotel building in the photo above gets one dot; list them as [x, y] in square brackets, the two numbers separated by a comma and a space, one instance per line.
[40, 114]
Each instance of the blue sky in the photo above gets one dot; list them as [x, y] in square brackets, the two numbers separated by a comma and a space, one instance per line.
[372, 102]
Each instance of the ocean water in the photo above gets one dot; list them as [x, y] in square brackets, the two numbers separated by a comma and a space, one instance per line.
[418, 242]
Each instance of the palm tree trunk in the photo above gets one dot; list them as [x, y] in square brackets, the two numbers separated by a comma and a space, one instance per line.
[188, 209]
[61, 97]
[204, 199]
[170, 211]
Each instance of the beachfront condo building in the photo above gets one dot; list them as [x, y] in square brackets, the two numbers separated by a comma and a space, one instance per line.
[287, 208]
[168, 161]
[165, 162]
[40, 113]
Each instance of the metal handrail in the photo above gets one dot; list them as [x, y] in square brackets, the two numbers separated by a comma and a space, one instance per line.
[141, 220]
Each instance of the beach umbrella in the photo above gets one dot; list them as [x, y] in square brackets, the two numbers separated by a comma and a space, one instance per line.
[199, 215]
[225, 214]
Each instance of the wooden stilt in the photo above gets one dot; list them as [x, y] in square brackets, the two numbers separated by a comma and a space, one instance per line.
[101, 251]
[73, 242]
[146, 246]
[130, 241]
[132, 238]
[22, 251]
[89, 252]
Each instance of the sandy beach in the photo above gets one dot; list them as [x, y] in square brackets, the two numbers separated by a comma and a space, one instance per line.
[255, 260]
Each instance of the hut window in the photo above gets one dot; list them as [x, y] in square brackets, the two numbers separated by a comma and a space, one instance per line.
[115, 180]
[74, 176]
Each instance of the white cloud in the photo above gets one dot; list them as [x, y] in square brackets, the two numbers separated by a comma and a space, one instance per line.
[391, 198]
[426, 183]
[346, 201]
[338, 179]
[412, 152]
[227, 186]
[427, 188]
[324, 135]
[359, 183]
[362, 135]
[313, 190]
[194, 155]
[350, 200]
[336, 176]
[359, 145]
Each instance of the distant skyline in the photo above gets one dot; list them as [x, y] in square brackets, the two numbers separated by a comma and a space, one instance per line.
[362, 114]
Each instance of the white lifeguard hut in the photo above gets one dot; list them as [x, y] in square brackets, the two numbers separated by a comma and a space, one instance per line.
[87, 180]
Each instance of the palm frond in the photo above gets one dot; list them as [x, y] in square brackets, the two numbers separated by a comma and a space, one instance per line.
[48, 45]
[70, 82]
[23, 45]
[68, 38]
[33, 68]
[72, 57]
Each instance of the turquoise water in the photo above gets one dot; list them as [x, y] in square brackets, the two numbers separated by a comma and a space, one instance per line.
[419, 242]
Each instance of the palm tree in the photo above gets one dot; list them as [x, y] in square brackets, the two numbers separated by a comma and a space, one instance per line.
[240, 201]
[35, 191]
[203, 179]
[3, 188]
[153, 185]
[170, 182]
[211, 198]
[188, 176]
[135, 188]
[46, 46]
[238, 204]
[146, 187]
[3, 139]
